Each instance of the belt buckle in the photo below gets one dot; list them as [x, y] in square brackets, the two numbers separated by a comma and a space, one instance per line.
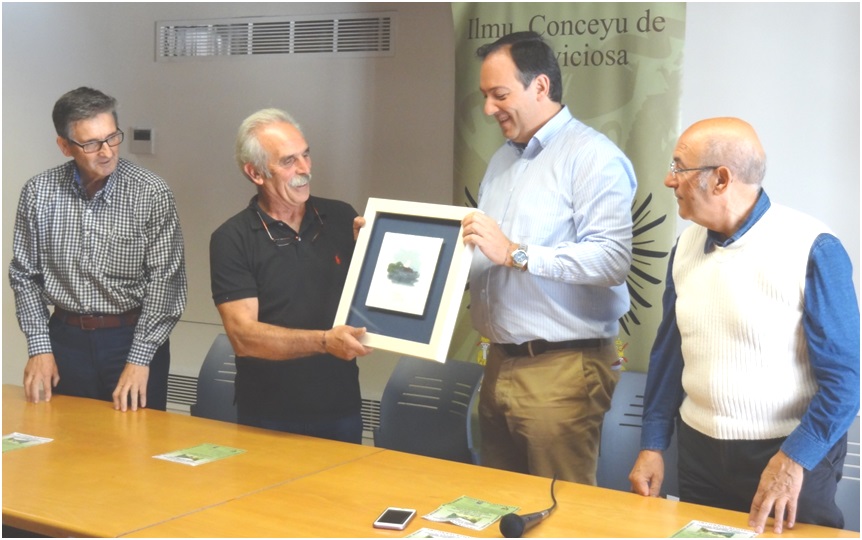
[88, 322]
[537, 347]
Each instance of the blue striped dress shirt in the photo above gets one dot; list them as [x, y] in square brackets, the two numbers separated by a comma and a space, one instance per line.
[567, 196]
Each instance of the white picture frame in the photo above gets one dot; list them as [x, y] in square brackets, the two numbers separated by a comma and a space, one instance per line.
[428, 334]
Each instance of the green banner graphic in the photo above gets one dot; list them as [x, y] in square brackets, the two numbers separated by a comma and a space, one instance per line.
[621, 65]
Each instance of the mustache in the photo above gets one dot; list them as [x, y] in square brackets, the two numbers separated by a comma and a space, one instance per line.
[300, 180]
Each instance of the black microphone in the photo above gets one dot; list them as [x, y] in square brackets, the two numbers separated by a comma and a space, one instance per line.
[513, 525]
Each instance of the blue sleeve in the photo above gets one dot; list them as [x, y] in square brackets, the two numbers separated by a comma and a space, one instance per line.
[663, 394]
[831, 324]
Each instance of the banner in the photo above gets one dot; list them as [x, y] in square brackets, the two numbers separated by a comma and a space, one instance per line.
[621, 66]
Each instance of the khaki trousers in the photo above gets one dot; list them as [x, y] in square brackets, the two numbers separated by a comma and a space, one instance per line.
[543, 415]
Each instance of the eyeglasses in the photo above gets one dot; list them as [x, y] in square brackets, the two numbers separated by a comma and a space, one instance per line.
[288, 240]
[674, 171]
[94, 146]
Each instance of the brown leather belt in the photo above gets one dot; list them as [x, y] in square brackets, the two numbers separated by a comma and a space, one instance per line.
[539, 346]
[94, 322]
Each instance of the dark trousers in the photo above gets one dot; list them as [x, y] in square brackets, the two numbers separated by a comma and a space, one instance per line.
[725, 474]
[90, 362]
[345, 429]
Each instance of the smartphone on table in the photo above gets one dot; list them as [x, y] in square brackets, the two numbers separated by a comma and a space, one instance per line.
[394, 518]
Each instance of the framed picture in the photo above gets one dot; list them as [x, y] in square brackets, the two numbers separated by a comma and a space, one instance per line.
[407, 277]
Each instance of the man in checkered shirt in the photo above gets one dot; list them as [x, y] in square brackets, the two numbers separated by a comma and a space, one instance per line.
[99, 239]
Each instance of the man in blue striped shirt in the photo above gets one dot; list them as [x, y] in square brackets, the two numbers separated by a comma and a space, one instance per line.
[547, 283]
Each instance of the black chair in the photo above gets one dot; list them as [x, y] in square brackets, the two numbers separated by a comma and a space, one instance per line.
[425, 408]
[847, 497]
[474, 433]
[621, 433]
[215, 393]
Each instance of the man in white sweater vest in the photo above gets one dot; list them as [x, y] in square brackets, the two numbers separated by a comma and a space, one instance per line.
[756, 361]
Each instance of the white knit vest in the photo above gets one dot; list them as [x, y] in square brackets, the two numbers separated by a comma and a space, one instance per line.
[739, 312]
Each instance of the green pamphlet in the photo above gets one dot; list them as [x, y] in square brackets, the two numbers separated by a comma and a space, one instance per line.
[200, 454]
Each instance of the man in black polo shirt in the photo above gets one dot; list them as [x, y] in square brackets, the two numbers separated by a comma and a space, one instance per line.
[277, 270]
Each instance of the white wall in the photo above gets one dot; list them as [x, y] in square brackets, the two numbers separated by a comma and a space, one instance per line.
[377, 127]
[792, 71]
[383, 127]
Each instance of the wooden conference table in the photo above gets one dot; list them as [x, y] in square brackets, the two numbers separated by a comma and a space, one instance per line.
[98, 478]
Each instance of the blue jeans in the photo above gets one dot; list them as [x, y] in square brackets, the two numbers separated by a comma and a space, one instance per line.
[90, 362]
[345, 429]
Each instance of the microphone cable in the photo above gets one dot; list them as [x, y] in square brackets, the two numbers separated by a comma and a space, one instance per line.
[553, 498]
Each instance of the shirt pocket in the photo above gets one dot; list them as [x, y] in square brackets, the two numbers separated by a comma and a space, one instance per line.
[124, 256]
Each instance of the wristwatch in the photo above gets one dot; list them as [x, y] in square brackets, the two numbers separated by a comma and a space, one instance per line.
[520, 258]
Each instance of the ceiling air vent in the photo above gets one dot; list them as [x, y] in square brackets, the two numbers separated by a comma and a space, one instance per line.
[369, 34]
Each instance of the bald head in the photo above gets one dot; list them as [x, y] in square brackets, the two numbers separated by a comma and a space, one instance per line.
[730, 142]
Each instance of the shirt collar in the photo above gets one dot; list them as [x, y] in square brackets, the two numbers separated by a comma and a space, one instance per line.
[255, 210]
[714, 239]
[106, 189]
[544, 135]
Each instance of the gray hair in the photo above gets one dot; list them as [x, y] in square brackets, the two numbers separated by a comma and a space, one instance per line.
[81, 104]
[248, 148]
[744, 157]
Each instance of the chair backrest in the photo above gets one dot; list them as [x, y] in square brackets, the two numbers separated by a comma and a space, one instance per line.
[474, 433]
[621, 432]
[425, 408]
[847, 497]
[215, 395]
